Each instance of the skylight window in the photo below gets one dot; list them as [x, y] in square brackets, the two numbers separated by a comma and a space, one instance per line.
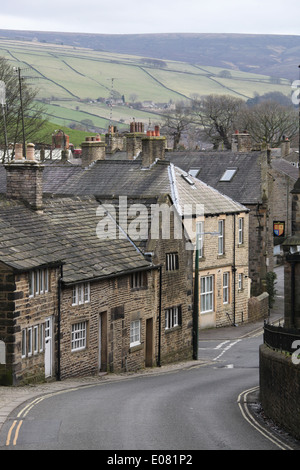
[229, 174]
[194, 172]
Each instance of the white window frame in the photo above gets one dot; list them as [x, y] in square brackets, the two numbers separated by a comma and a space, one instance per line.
[41, 337]
[172, 317]
[221, 225]
[81, 294]
[79, 336]
[24, 343]
[30, 341]
[38, 282]
[240, 281]
[172, 261]
[200, 238]
[226, 277]
[207, 294]
[35, 339]
[135, 333]
[241, 230]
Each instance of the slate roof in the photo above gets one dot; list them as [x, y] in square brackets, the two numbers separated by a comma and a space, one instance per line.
[64, 233]
[286, 168]
[245, 186]
[129, 178]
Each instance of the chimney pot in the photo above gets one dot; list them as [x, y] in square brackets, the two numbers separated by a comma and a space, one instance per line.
[30, 152]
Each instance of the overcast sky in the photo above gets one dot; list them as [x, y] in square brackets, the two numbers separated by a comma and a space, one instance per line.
[153, 16]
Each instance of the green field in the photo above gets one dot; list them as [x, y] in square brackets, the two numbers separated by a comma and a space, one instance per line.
[70, 80]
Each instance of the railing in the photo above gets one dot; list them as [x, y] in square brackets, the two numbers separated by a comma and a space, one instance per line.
[281, 338]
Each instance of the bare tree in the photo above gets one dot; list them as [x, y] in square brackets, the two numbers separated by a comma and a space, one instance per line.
[218, 115]
[268, 121]
[176, 122]
[31, 112]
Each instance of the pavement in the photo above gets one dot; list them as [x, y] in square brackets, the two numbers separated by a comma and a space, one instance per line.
[13, 397]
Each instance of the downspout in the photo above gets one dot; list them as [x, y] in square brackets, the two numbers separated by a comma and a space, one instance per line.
[196, 306]
[234, 268]
[58, 323]
[159, 318]
[293, 295]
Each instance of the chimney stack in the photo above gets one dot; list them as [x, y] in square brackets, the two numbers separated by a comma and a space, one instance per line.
[92, 150]
[24, 178]
[153, 147]
[241, 142]
[134, 140]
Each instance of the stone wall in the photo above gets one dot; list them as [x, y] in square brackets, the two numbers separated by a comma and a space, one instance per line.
[7, 283]
[280, 389]
[24, 181]
[212, 264]
[116, 305]
[19, 311]
[258, 307]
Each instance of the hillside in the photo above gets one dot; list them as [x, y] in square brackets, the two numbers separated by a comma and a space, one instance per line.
[274, 55]
[76, 83]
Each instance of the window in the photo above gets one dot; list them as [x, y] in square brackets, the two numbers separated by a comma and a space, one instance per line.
[81, 293]
[221, 237]
[35, 339]
[207, 293]
[229, 174]
[226, 288]
[194, 172]
[138, 280]
[41, 337]
[240, 281]
[38, 282]
[78, 336]
[200, 238]
[24, 348]
[29, 341]
[172, 317]
[135, 333]
[172, 261]
[241, 231]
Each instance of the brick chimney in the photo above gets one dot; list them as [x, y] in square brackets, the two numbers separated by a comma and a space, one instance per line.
[92, 150]
[134, 140]
[241, 142]
[24, 178]
[153, 148]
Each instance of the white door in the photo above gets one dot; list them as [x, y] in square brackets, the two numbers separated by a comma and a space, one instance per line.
[48, 347]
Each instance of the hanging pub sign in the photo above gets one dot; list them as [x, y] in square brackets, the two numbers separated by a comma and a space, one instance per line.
[279, 229]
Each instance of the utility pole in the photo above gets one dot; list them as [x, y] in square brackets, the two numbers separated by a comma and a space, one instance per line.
[3, 103]
[18, 71]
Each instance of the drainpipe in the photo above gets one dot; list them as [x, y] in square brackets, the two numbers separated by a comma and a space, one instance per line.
[234, 268]
[58, 323]
[196, 306]
[159, 318]
[293, 296]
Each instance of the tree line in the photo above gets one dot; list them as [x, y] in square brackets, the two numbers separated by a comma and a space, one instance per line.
[211, 118]
[214, 118]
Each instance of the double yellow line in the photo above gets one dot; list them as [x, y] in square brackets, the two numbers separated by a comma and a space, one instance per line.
[23, 413]
[243, 405]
